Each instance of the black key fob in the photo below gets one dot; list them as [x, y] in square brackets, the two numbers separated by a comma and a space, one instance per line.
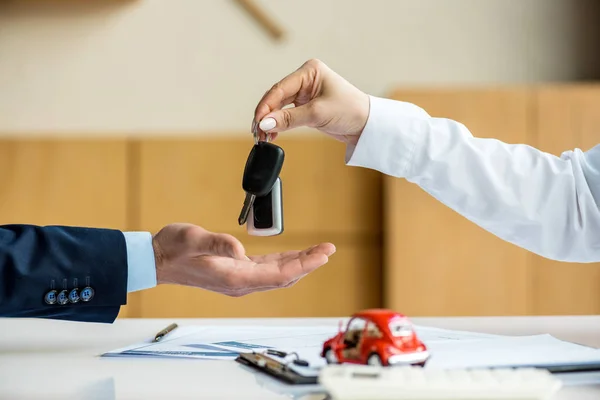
[262, 168]
[266, 215]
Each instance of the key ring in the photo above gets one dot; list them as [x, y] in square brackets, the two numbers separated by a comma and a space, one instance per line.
[255, 134]
[256, 140]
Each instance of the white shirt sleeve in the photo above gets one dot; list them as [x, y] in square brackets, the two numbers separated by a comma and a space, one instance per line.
[141, 265]
[546, 204]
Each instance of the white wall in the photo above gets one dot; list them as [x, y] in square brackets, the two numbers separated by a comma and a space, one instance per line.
[190, 66]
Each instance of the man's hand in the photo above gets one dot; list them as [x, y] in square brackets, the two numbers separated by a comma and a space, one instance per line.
[322, 99]
[190, 255]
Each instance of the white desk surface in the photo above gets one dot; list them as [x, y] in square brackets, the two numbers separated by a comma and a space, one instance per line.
[55, 359]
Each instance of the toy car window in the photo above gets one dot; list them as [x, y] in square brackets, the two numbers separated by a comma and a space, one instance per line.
[373, 331]
[357, 324]
[354, 332]
[401, 328]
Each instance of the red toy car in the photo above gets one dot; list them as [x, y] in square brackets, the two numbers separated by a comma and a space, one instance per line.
[376, 337]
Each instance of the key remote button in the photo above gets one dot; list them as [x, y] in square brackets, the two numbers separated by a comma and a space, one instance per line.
[269, 221]
[263, 212]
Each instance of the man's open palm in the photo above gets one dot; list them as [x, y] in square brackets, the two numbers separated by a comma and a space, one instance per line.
[192, 256]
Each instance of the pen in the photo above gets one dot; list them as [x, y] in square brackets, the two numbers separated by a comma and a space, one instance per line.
[164, 332]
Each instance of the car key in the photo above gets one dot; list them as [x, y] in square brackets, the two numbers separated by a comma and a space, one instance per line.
[266, 214]
[262, 170]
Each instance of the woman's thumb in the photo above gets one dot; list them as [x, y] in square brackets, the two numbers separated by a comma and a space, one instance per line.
[287, 118]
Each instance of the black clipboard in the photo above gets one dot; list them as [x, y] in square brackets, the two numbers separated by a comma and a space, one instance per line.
[299, 372]
[567, 368]
[292, 372]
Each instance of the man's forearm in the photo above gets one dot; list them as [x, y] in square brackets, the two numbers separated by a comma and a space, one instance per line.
[62, 272]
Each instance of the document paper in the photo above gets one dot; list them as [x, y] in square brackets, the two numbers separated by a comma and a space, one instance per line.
[449, 349]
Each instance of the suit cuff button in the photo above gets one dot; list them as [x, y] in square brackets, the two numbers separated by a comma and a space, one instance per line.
[87, 294]
[50, 297]
[63, 297]
[74, 296]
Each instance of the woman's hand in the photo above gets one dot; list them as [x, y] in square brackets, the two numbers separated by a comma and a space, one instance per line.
[322, 99]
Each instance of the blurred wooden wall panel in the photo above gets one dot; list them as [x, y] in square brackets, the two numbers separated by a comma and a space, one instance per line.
[199, 181]
[64, 182]
[437, 263]
[567, 118]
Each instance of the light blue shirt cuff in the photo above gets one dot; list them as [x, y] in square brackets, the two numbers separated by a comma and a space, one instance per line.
[141, 264]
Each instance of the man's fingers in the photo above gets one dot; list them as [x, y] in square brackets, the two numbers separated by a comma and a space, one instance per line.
[264, 259]
[272, 274]
[306, 262]
[273, 270]
[302, 265]
[247, 291]
[325, 248]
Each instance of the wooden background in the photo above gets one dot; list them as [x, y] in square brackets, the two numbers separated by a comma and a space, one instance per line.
[397, 246]
[438, 263]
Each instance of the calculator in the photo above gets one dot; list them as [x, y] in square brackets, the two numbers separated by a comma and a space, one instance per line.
[362, 382]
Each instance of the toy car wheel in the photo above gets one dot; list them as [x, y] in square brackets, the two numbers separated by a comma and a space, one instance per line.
[374, 359]
[330, 357]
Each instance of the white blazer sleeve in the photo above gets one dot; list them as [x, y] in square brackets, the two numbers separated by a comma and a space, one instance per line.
[546, 204]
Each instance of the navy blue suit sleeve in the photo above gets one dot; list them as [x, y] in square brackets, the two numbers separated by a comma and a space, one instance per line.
[35, 259]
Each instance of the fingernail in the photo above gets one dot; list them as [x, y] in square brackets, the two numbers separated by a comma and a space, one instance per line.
[267, 124]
